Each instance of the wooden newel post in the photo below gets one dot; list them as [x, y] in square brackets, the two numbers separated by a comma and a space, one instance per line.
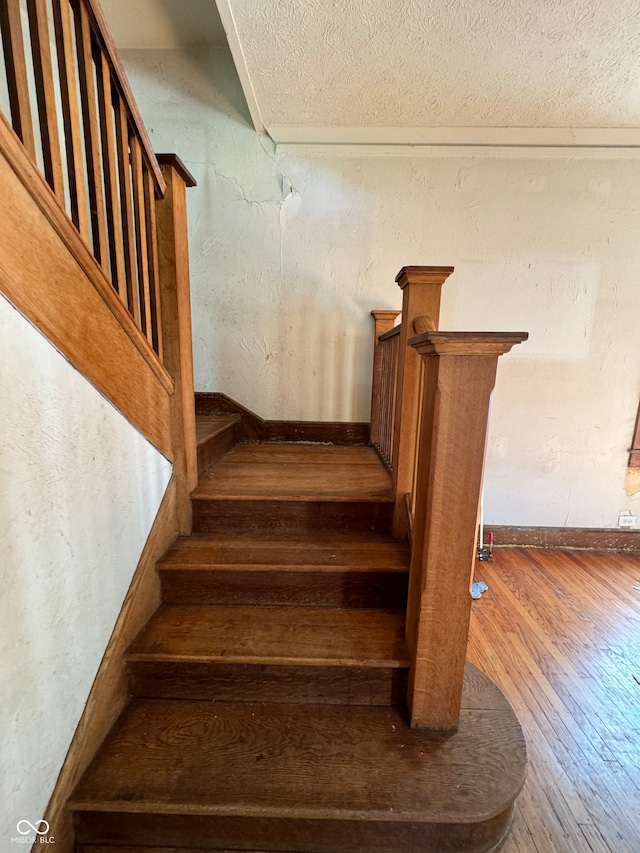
[173, 259]
[384, 321]
[421, 287]
[460, 372]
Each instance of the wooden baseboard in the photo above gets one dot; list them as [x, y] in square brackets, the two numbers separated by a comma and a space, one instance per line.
[110, 690]
[580, 538]
[254, 428]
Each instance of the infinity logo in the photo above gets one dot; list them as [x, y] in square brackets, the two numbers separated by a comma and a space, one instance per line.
[29, 826]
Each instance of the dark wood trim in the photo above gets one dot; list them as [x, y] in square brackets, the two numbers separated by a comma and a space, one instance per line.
[110, 691]
[581, 538]
[254, 428]
[176, 163]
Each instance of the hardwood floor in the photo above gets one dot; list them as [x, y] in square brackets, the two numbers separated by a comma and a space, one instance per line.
[559, 632]
[297, 472]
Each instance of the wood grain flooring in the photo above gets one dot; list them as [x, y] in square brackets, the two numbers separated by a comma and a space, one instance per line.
[318, 569]
[277, 636]
[215, 436]
[559, 632]
[211, 426]
[291, 472]
[314, 551]
[223, 775]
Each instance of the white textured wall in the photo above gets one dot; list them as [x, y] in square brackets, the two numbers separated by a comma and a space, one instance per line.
[79, 489]
[291, 248]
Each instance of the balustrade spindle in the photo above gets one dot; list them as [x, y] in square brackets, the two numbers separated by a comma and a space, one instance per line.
[16, 71]
[63, 26]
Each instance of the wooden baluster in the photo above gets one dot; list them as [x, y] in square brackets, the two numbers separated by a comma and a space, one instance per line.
[152, 253]
[384, 321]
[412, 497]
[108, 47]
[381, 443]
[45, 95]
[111, 174]
[142, 254]
[16, 68]
[71, 117]
[389, 369]
[460, 371]
[391, 404]
[173, 253]
[421, 288]
[126, 210]
[91, 134]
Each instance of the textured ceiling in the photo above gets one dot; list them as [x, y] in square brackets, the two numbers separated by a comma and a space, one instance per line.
[513, 72]
[371, 64]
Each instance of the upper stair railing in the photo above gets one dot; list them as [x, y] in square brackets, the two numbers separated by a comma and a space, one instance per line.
[438, 386]
[72, 108]
[93, 225]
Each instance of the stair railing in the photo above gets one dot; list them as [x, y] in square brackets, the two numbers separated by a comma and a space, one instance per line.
[443, 386]
[74, 137]
[383, 391]
[79, 123]
[396, 379]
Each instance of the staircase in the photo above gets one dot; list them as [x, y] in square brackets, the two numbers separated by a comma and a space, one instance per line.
[268, 691]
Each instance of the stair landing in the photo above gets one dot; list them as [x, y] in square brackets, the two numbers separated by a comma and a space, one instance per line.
[294, 486]
[297, 472]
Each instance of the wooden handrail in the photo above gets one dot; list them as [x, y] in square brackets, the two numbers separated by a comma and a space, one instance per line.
[108, 178]
[392, 333]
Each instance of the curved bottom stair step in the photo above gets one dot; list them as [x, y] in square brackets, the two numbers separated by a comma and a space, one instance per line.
[312, 779]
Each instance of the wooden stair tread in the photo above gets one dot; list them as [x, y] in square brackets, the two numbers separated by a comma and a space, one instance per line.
[316, 551]
[253, 453]
[209, 426]
[291, 472]
[296, 636]
[307, 762]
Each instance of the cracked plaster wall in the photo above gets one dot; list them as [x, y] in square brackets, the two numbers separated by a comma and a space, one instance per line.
[79, 490]
[291, 249]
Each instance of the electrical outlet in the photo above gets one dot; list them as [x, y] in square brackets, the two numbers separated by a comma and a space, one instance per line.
[627, 521]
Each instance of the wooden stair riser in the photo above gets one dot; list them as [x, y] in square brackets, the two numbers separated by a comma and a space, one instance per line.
[239, 516]
[279, 588]
[274, 835]
[213, 447]
[330, 685]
